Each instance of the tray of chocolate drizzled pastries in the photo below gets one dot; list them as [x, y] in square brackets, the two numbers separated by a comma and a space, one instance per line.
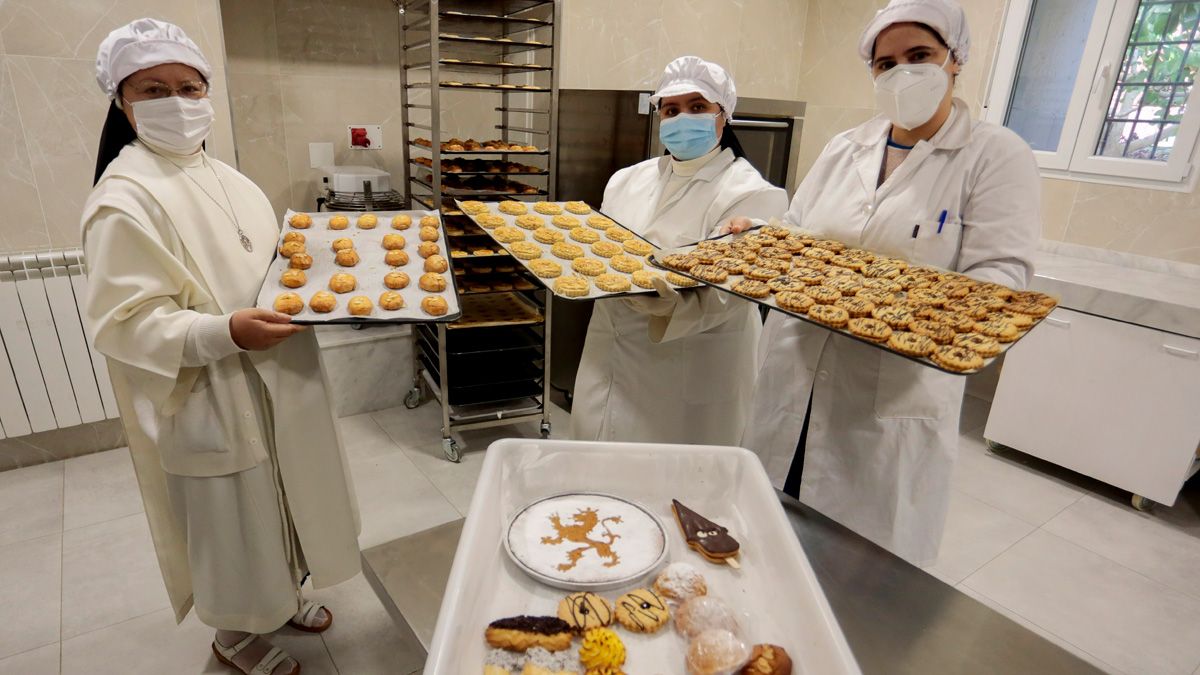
[381, 267]
[938, 318]
[595, 558]
[577, 252]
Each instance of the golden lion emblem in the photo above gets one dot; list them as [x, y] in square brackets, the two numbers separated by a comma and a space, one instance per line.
[585, 521]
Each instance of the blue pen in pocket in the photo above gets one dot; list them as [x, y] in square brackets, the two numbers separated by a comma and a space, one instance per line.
[942, 221]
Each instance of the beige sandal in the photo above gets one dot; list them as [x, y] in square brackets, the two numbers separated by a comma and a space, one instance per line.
[306, 619]
[272, 659]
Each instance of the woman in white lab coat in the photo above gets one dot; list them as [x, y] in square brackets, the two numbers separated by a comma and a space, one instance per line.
[926, 183]
[226, 411]
[677, 368]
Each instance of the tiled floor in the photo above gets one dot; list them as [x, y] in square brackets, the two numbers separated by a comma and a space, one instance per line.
[1061, 554]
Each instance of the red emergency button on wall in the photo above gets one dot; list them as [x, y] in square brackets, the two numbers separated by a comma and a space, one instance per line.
[359, 138]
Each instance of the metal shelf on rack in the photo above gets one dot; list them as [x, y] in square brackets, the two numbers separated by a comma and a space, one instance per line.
[459, 66]
[483, 152]
[483, 86]
[476, 16]
[468, 44]
[458, 192]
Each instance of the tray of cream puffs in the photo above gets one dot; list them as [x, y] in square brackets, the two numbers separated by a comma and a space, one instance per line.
[577, 252]
[354, 267]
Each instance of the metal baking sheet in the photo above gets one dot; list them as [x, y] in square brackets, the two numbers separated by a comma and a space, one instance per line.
[369, 271]
[594, 293]
[769, 302]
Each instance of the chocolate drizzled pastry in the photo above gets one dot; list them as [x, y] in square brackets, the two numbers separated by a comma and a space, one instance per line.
[542, 625]
[708, 538]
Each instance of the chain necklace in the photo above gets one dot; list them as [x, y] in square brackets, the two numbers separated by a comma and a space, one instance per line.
[230, 213]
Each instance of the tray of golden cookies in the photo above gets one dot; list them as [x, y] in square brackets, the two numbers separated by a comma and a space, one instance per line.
[941, 319]
[630, 558]
[577, 252]
[353, 267]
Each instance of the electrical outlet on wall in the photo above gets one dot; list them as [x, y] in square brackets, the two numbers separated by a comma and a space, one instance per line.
[365, 136]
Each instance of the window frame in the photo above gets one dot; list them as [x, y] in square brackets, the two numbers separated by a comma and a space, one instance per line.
[1102, 58]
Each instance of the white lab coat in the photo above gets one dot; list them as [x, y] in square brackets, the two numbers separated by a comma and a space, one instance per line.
[159, 253]
[884, 430]
[687, 377]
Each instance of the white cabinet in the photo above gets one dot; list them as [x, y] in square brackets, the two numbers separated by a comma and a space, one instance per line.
[1111, 400]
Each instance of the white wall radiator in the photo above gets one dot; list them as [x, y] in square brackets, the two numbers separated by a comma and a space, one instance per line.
[50, 378]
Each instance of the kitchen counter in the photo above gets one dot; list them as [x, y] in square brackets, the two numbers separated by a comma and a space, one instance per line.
[1149, 292]
[897, 619]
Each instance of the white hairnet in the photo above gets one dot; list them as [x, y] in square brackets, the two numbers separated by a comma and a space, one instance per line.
[944, 16]
[688, 74]
[142, 44]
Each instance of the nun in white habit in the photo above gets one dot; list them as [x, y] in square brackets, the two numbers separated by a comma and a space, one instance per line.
[226, 408]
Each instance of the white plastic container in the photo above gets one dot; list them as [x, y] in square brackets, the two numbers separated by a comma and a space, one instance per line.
[775, 587]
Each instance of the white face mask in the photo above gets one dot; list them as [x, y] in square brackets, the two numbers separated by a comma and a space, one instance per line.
[910, 94]
[173, 123]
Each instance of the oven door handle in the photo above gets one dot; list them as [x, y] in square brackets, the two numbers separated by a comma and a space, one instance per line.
[761, 124]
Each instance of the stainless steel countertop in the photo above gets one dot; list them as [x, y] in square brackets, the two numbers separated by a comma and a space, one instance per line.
[897, 619]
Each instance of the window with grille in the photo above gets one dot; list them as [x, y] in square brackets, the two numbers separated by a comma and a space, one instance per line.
[1102, 89]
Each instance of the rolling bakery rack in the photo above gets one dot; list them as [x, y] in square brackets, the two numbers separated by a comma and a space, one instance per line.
[491, 367]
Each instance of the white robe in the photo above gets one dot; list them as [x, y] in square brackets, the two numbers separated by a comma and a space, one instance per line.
[161, 251]
[884, 430]
[687, 377]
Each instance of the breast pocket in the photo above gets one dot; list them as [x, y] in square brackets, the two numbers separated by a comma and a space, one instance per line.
[196, 427]
[931, 247]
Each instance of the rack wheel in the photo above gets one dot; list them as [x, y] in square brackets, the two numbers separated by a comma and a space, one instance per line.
[1142, 504]
[545, 430]
[413, 398]
[451, 450]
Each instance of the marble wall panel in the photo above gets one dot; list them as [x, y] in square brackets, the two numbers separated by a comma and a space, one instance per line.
[1147, 222]
[770, 42]
[251, 37]
[73, 29]
[1058, 200]
[23, 225]
[338, 38]
[822, 123]
[257, 99]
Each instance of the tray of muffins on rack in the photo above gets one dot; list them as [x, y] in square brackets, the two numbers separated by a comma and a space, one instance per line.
[591, 558]
[382, 267]
[938, 318]
[577, 252]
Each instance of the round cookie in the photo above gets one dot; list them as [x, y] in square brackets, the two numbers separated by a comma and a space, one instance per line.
[642, 611]
[644, 278]
[983, 345]
[871, 329]
[526, 250]
[360, 305]
[911, 344]
[507, 234]
[612, 283]
[626, 264]
[856, 307]
[300, 261]
[934, 330]
[732, 266]
[606, 249]
[548, 208]
[578, 208]
[530, 222]
[895, 316]
[474, 208]
[618, 234]
[489, 220]
[751, 288]
[300, 221]
[584, 235]
[710, 274]
[784, 283]
[1002, 330]
[637, 247]
[566, 251]
[584, 611]
[395, 280]
[339, 223]
[822, 294]
[679, 261]
[760, 273]
[564, 222]
[391, 300]
[680, 280]
[600, 222]
[289, 303]
[829, 315]
[434, 305]
[588, 266]
[367, 221]
[957, 358]
[401, 222]
[513, 208]
[572, 286]
[395, 258]
[323, 302]
[794, 302]
[546, 269]
[548, 236]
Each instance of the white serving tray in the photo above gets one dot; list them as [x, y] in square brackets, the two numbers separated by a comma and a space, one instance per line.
[775, 586]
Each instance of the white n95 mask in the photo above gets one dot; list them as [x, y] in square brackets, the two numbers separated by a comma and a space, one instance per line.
[174, 123]
[909, 94]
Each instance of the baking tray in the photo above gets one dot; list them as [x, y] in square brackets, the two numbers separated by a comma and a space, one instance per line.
[594, 293]
[503, 308]
[775, 587]
[769, 302]
[369, 272]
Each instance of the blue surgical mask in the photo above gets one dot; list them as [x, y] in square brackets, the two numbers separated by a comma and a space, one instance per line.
[688, 136]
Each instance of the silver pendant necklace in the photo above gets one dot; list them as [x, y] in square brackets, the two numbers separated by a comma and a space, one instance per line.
[230, 213]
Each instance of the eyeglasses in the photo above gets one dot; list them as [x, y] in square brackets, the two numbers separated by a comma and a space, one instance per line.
[152, 89]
